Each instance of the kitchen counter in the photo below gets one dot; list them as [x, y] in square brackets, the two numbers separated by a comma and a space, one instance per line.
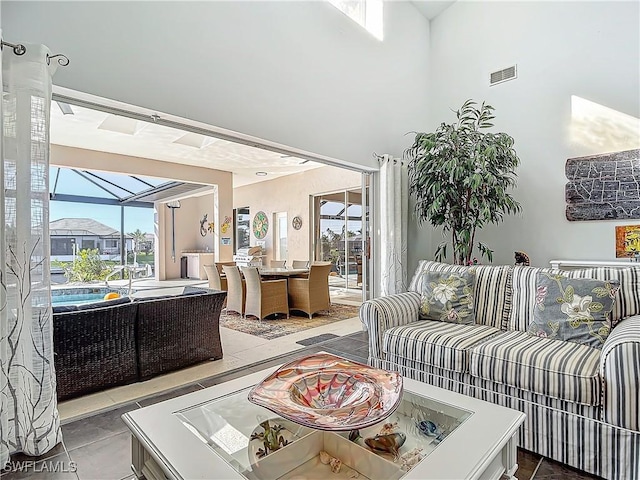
[196, 260]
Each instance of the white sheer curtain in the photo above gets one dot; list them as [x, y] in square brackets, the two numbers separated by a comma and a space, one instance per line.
[394, 187]
[29, 419]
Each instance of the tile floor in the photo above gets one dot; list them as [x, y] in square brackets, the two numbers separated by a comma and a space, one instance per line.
[98, 446]
[96, 443]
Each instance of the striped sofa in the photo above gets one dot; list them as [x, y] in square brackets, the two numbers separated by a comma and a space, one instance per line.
[582, 403]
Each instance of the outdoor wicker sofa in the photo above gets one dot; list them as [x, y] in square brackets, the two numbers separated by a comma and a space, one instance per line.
[122, 341]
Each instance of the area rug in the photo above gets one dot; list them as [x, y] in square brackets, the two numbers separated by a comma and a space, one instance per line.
[271, 328]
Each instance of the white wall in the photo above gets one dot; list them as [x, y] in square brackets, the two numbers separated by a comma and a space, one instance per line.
[586, 49]
[298, 73]
[293, 198]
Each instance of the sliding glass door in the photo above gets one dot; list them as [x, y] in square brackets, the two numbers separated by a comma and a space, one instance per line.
[340, 235]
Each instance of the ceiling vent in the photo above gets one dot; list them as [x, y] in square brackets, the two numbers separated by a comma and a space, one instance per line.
[503, 75]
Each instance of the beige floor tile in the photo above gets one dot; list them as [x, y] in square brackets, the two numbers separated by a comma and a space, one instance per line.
[128, 393]
[82, 406]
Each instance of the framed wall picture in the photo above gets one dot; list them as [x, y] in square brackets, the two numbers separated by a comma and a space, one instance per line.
[627, 241]
[260, 225]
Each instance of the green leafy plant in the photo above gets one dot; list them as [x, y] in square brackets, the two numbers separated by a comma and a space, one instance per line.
[87, 267]
[459, 176]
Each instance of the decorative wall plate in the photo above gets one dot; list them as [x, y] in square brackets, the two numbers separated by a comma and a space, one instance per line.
[327, 392]
[260, 225]
[296, 222]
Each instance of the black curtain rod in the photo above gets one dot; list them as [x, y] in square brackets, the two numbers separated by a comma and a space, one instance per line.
[19, 49]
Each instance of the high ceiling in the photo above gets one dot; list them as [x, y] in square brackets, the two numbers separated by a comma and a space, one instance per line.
[95, 130]
[431, 9]
[104, 132]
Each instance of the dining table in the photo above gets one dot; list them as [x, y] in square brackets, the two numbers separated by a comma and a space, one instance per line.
[281, 271]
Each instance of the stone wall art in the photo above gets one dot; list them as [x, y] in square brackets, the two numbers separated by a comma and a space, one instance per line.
[603, 187]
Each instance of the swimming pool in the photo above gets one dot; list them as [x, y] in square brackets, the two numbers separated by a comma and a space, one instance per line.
[79, 295]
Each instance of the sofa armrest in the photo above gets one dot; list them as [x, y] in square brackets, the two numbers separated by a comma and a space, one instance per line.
[619, 370]
[380, 314]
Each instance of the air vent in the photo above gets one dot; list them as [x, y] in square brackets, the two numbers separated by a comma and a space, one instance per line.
[503, 75]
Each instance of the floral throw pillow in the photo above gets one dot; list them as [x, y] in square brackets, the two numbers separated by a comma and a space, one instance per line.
[573, 309]
[447, 297]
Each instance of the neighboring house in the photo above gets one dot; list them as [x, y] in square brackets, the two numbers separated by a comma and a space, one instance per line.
[68, 234]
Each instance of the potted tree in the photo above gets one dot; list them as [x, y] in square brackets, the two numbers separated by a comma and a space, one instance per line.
[460, 176]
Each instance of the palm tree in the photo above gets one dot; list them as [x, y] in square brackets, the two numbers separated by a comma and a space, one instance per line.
[139, 239]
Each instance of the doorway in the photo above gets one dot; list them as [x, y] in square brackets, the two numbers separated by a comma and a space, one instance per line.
[264, 161]
[280, 233]
[341, 235]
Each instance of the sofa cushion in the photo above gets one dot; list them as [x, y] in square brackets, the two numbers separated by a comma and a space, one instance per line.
[492, 291]
[563, 370]
[447, 297]
[439, 344]
[105, 303]
[523, 296]
[573, 309]
[627, 301]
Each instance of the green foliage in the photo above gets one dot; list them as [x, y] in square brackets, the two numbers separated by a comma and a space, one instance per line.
[139, 240]
[459, 176]
[330, 241]
[88, 266]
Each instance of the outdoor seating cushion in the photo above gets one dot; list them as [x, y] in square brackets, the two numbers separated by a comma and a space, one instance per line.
[438, 344]
[90, 305]
[563, 370]
[168, 293]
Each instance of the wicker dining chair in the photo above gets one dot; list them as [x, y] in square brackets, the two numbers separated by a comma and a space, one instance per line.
[219, 266]
[264, 297]
[311, 294]
[300, 264]
[216, 282]
[236, 289]
[277, 263]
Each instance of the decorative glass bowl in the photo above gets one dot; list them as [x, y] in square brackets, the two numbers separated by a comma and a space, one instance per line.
[327, 392]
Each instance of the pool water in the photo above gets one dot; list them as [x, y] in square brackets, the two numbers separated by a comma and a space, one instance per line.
[78, 296]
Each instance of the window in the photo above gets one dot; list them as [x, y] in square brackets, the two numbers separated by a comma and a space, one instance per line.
[109, 243]
[280, 231]
[62, 246]
[367, 13]
[88, 244]
[242, 221]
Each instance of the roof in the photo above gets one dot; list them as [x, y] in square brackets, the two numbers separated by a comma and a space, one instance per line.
[68, 227]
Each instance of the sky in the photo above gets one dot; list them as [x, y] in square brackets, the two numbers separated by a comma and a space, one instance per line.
[134, 218]
[68, 182]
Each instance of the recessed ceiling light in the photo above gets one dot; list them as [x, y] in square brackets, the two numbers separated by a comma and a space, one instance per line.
[195, 140]
[65, 108]
[261, 174]
[116, 123]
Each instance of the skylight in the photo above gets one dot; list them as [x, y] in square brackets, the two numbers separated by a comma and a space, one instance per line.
[367, 13]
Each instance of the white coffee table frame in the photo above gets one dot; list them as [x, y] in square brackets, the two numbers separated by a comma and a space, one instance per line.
[483, 447]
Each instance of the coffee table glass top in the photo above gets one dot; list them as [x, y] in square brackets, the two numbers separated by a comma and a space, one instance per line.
[258, 444]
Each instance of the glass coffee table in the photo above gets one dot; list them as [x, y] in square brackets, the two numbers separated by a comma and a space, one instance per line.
[218, 433]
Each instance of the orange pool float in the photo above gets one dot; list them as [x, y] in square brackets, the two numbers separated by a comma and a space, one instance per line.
[111, 296]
